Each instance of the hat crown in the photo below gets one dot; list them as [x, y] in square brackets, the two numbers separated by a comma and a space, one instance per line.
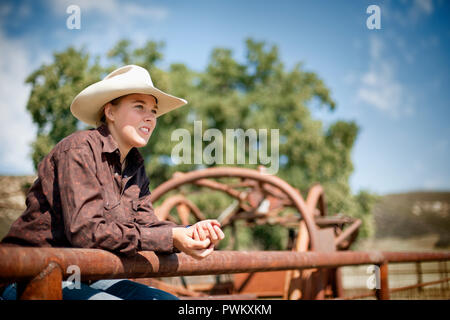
[131, 73]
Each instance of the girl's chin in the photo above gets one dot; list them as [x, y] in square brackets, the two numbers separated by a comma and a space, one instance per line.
[140, 143]
[137, 139]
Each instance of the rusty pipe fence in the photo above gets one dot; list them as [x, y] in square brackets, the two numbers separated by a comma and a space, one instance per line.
[39, 271]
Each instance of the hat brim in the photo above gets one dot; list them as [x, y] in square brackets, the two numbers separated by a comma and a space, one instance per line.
[87, 105]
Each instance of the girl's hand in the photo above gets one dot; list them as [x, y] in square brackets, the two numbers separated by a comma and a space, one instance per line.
[183, 240]
[208, 229]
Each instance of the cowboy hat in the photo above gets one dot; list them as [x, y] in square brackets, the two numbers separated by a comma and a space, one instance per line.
[87, 106]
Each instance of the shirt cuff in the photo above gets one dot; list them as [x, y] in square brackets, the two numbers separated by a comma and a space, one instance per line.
[158, 239]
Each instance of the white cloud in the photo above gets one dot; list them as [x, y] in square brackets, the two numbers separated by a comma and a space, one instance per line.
[103, 23]
[375, 48]
[16, 128]
[422, 7]
[145, 12]
[112, 8]
[19, 12]
[379, 86]
[411, 12]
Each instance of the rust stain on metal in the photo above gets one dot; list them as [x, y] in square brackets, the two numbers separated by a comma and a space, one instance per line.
[44, 286]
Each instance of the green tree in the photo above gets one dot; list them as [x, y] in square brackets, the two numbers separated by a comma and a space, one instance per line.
[53, 88]
[254, 92]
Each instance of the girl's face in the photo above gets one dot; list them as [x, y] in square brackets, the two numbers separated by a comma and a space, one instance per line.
[132, 121]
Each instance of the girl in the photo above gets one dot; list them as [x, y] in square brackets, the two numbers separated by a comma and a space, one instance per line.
[92, 190]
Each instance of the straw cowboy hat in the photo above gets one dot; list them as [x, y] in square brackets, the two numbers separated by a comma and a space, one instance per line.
[88, 104]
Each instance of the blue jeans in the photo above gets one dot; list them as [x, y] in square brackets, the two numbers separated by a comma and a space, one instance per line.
[114, 289]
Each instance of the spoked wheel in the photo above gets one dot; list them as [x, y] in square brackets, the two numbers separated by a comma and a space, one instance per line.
[259, 198]
[256, 198]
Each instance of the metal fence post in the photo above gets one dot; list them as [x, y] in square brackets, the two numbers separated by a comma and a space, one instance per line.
[45, 286]
[383, 292]
[419, 275]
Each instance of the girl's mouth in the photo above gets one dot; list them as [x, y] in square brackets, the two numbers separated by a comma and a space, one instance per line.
[144, 130]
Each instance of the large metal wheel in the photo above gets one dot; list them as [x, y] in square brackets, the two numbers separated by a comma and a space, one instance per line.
[257, 198]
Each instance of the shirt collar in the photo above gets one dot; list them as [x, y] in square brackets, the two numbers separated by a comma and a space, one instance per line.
[110, 146]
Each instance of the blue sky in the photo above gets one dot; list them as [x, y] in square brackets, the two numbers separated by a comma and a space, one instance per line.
[393, 82]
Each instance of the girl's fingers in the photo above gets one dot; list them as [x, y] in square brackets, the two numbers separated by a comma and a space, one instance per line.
[196, 236]
[212, 232]
[201, 253]
[214, 222]
[219, 232]
[217, 223]
[207, 230]
[208, 251]
[200, 231]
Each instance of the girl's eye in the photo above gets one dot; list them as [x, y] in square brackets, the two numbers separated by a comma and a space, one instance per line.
[139, 106]
[154, 111]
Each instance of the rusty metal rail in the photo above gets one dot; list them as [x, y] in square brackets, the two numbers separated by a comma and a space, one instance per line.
[40, 270]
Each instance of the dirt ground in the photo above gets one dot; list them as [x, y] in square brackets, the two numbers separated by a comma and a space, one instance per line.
[12, 199]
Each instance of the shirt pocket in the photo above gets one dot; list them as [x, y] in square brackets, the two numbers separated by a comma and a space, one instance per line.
[114, 210]
[141, 213]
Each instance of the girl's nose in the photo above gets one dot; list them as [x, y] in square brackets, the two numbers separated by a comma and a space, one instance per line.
[150, 116]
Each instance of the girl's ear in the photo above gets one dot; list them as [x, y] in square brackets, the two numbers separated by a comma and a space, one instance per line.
[109, 113]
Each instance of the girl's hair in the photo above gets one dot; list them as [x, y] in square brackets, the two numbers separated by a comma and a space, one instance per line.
[114, 102]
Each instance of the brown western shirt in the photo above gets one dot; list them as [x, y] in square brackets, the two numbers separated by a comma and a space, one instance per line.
[82, 198]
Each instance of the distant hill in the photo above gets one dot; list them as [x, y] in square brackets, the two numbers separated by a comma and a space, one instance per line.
[413, 214]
